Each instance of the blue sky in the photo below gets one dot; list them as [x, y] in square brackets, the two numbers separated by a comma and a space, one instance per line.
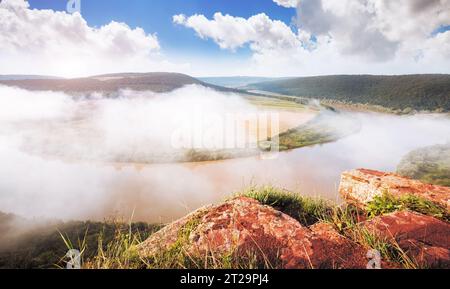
[155, 16]
[245, 37]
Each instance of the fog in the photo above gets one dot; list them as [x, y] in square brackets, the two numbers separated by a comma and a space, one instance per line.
[78, 158]
[133, 127]
[60, 153]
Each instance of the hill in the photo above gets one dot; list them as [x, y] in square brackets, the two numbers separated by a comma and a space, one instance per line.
[234, 81]
[111, 83]
[108, 83]
[429, 164]
[417, 92]
[24, 77]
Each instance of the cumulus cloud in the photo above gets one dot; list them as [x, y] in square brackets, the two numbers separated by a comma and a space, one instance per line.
[52, 42]
[348, 36]
[377, 29]
[233, 32]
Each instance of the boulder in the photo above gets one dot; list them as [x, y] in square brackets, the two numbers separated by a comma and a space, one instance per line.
[425, 239]
[243, 225]
[361, 186]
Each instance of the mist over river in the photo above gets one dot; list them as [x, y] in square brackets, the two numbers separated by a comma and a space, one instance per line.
[35, 186]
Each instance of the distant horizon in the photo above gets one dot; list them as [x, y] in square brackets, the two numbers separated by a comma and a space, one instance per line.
[207, 76]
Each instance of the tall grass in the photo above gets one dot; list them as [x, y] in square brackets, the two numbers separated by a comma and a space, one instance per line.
[346, 220]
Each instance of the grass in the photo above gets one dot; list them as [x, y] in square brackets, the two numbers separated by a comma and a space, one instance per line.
[306, 210]
[122, 251]
[387, 203]
[346, 220]
[389, 249]
[119, 253]
[116, 246]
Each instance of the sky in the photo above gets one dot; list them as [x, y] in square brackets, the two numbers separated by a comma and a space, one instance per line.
[225, 37]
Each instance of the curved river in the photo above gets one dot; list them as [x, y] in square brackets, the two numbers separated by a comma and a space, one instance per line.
[163, 192]
[315, 171]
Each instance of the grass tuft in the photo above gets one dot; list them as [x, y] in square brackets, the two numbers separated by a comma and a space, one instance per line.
[305, 210]
[387, 203]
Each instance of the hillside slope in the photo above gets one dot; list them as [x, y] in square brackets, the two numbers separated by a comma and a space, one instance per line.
[24, 77]
[428, 164]
[234, 81]
[157, 82]
[111, 83]
[419, 92]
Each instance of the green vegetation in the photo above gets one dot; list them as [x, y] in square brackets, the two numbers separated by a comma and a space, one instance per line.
[305, 136]
[121, 253]
[306, 210]
[429, 164]
[277, 103]
[387, 203]
[400, 93]
[346, 218]
[41, 245]
[325, 128]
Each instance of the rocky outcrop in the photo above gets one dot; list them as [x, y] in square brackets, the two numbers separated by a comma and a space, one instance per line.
[243, 225]
[424, 239]
[361, 186]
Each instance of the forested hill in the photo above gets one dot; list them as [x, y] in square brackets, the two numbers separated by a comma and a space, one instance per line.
[419, 92]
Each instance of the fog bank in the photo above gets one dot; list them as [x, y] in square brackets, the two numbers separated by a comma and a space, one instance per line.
[59, 155]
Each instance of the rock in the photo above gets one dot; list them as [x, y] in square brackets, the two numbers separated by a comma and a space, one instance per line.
[167, 236]
[243, 225]
[361, 186]
[425, 239]
[332, 250]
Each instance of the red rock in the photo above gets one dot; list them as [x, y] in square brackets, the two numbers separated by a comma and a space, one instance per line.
[425, 239]
[243, 225]
[361, 186]
[168, 235]
[332, 250]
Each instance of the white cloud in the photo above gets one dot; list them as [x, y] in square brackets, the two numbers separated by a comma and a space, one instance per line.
[338, 36]
[287, 3]
[377, 29]
[233, 32]
[51, 42]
